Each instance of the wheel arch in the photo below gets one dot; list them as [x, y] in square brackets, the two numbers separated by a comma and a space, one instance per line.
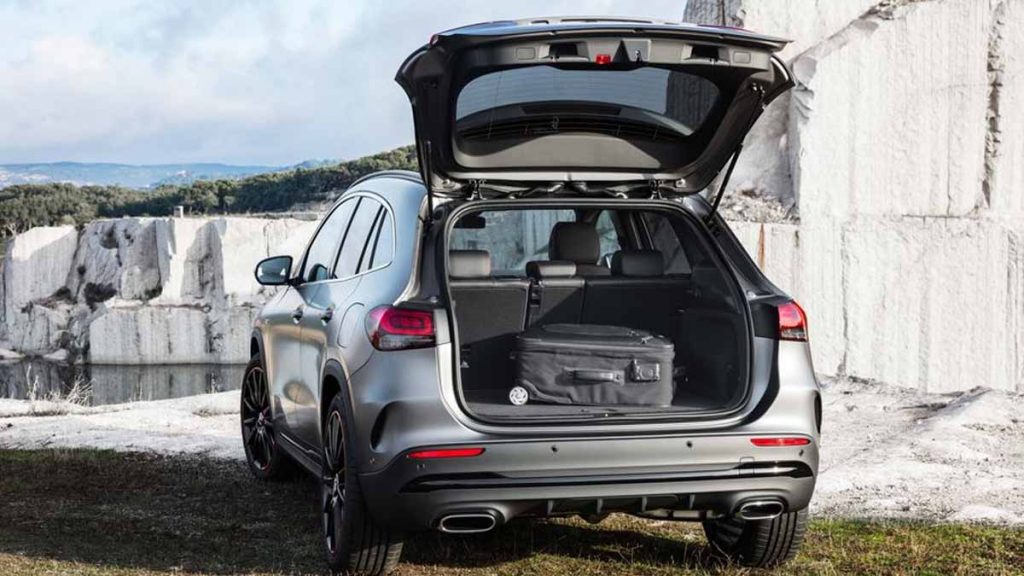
[333, 382]
[256, 343]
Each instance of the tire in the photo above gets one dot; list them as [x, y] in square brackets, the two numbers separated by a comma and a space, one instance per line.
[266, 460]
[758, 543]
[353, 542]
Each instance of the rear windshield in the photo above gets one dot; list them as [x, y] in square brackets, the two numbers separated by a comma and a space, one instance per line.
[675, 99]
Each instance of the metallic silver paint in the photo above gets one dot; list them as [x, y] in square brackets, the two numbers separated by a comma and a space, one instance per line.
[402, 400]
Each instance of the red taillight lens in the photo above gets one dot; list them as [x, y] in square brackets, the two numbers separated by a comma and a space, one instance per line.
[603, 59]
[771, 442]
[446, 453]
[792, 322]
[391, 328]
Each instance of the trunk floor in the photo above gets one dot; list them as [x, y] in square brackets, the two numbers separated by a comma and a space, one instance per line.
[494, 403]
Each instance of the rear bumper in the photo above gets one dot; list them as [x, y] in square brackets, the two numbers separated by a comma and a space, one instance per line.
[542, 479]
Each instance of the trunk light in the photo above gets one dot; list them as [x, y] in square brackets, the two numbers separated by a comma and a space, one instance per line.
[792, 322]
[391, 328]
[770, 442]
[446, 453]
[603, 59]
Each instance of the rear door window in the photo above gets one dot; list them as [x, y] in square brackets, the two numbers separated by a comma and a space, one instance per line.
[665, 239]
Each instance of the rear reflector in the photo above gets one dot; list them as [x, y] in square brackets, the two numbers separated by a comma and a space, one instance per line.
[792, 322]
[446, 453]
[780, 441]
[603, 59]
[391, 328]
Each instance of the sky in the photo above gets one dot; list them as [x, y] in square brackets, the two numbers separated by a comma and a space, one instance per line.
[270, 82]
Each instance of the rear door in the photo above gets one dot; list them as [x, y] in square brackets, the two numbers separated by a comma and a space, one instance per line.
[597, 102]
[326, 307]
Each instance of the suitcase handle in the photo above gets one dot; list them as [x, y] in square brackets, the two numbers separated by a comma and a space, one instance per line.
[597, 376]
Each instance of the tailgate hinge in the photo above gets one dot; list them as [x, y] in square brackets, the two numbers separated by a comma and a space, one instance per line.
[474, 189]
[656, 190]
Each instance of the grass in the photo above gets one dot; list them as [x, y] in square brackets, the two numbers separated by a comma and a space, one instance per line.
[104, 513]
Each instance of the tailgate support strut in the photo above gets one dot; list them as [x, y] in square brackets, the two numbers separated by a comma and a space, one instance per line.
[430, 189]
[709, 220]
[762, 103]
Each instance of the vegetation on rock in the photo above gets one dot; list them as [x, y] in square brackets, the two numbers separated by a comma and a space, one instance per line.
[27, 205]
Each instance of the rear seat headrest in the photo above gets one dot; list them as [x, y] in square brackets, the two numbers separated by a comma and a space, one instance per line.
[550, 269]
[637, 263]
[469, 263]
[574, 241]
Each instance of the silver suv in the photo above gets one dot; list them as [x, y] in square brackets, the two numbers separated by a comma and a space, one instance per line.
[561, 161]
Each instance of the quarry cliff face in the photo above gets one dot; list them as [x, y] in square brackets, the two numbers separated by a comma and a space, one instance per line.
[141, 290]
[901, 150]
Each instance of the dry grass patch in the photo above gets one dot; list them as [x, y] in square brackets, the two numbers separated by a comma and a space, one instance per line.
[105, 514]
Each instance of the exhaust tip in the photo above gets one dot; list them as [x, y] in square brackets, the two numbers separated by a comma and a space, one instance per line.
[761, 510]
[469, 523]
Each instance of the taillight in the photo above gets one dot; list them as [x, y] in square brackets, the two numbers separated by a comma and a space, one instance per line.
[446, 453]
[777, 441]
[792, 322]
[602, 59]
[391, 328]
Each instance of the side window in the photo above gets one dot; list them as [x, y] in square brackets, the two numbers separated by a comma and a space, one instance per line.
[353, 247]
[383, 242]
[608, 235]
[318, 260]
[666, 240]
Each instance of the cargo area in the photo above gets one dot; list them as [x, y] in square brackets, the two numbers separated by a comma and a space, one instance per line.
[514, 273]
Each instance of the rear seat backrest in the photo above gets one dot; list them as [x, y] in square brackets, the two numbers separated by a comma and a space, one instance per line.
[490, 312]
[557, 293]
[638, 294]
[579, 243]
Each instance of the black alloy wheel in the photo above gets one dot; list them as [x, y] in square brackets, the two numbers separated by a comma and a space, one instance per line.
[333, 493]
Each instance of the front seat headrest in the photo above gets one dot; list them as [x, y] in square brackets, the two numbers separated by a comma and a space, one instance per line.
[469, 263]
[637, 263]
[576, 242]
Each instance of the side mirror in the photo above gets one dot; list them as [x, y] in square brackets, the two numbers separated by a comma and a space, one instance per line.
[274, 271]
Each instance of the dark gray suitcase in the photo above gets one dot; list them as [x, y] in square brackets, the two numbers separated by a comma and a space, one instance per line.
[590, 364]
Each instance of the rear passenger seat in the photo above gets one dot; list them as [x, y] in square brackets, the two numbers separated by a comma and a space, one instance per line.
[557, 293]
[638, 294]
[490, 313]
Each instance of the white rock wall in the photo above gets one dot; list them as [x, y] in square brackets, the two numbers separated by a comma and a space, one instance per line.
[903, 147]
[891, 115]
[142, 290]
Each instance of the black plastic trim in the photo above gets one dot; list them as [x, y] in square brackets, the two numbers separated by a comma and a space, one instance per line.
[479, 481]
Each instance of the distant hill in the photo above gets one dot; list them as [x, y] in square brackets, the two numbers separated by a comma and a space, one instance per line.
[23, 206]
[130, 175]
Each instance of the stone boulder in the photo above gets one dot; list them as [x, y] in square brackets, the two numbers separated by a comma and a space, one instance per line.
[141, 290]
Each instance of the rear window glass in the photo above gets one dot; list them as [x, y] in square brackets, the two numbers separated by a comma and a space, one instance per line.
[682, 98]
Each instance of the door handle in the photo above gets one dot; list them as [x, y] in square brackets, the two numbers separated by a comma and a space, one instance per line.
[326, 315]
[297, 313]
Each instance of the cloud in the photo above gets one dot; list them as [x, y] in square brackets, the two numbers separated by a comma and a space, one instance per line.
[272, 81]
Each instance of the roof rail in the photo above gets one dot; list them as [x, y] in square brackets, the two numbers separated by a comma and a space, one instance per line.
[401, 174]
